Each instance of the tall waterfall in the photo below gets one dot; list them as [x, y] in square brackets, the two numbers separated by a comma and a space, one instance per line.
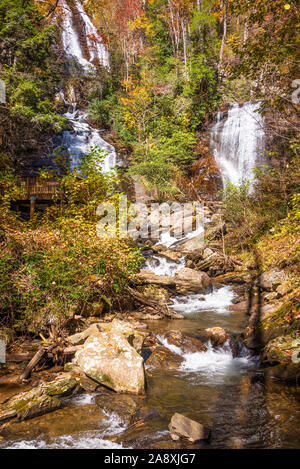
[237, 142]
[82, 137]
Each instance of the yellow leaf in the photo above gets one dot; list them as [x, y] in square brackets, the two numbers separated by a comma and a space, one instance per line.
[287, 6]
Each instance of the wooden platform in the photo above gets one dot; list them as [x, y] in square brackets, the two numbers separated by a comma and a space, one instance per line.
[40, 189]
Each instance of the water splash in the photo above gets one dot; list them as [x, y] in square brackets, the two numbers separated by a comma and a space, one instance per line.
[237, 142]
[218, 300]
[163, 266]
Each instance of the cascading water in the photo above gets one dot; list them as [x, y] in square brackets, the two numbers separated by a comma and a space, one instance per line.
[82, 137]
[71, 43]
[237, 142]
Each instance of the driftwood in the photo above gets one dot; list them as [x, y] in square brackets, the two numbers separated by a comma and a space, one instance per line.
[33, 362]
[164, 310]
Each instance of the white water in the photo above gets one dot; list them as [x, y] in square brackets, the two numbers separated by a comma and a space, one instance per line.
[82, 138]
[219, 301]
[71, 42]
[237, 142]
[213, 365]
[96, 439]
[163, 266]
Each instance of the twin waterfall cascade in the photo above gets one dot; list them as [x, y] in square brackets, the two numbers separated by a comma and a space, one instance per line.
[237, 142]
[82, 137]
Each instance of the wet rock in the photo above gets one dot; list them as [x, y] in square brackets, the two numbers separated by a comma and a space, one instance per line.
[217, 336]
[289, 372]
[109, 359]
[163, 358]
[122, 405]
[182, 427]
[190, 280]
[85, 383]
[186, 343]
[272, 279]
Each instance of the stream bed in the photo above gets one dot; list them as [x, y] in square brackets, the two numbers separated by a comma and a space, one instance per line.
[229, 395]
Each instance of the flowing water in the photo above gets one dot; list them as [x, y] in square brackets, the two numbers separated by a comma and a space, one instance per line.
[229, 394]
[83, 137]
[237, 142]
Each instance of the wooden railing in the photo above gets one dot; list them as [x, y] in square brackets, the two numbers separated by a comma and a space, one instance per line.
[38, 188]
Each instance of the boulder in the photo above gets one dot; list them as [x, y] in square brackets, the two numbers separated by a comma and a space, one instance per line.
[190, 280]
[134, 337]
[289, 372]
[164, 358]
[149, 277]
[182, 427]
[109, 359]
[186, 343]
[272, 279]
[217, 336]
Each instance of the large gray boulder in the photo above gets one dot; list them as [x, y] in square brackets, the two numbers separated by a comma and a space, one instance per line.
[182, 427]
[272, 279]
[109, 359]
[190, 280]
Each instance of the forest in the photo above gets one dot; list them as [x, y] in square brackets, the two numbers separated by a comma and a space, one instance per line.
[149, 224]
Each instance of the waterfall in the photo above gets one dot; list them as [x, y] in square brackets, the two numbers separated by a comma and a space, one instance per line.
[237, 142]
[83, 137]
[71, 43]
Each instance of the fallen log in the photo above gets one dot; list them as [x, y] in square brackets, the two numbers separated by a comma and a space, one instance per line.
[164, 310]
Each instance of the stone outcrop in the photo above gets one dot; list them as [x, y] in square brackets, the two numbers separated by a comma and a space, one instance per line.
[109, 359]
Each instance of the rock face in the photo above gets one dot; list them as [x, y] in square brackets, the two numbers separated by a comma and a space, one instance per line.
[109, 359]
[182, 427]
[271, 280]
[147, 276]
